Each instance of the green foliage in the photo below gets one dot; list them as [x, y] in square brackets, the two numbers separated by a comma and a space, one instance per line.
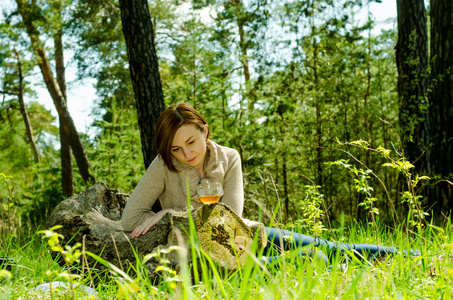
[36, 186]
[361, 183]
[315, 76]
[115, 154]
[416, 215]
[70, 254]
[428, 276]
[7, 208]
[311, 222]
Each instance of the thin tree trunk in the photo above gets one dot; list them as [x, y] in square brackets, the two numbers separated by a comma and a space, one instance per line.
[194, 79]
[240, 21]
[244, 58]
[366, 124]
[67, 174]
[318, 116]
[284, 167]
[285, 190]
[75, 142]
[23, 109]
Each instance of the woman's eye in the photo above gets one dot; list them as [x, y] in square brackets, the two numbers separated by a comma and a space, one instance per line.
[191, 142]
[175, 150]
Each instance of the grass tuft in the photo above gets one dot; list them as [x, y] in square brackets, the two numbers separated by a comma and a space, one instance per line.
[391, 277]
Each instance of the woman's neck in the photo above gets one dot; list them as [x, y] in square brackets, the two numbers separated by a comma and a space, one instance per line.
[200, 172]
[201, 168]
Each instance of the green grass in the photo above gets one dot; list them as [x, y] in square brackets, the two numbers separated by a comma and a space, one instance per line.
[396, 277]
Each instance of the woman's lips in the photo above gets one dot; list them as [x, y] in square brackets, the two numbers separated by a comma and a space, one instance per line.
[193, 159]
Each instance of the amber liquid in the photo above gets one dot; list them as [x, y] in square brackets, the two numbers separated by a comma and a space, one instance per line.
[209, 199]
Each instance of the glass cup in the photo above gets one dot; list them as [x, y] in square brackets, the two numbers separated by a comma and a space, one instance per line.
[209, 192]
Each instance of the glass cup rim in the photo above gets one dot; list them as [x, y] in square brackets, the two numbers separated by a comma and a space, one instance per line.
[213, 187]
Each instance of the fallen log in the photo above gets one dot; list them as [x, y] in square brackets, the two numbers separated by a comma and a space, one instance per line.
[95, 217]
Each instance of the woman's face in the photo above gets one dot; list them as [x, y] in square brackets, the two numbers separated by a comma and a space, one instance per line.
[189, 145]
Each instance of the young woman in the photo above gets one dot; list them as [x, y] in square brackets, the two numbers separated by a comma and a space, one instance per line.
[182, 139]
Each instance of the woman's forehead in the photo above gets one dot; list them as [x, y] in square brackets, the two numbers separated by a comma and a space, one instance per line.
[184, 133]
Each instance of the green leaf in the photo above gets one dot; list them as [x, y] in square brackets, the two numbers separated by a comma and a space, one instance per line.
[391, 165]
[5, 273]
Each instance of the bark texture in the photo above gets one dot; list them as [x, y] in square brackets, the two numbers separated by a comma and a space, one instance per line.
[67, 174]
[28, 12]
[144, 68]
[96, 214]
[412, 63]
[441, 104]
[23, 110]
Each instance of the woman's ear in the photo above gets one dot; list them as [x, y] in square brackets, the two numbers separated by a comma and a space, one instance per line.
[205, 130]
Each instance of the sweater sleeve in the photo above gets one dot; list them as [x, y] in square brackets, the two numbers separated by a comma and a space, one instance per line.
[145, 194]
[233, 185]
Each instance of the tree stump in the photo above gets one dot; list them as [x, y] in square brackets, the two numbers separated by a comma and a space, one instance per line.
[96, 214]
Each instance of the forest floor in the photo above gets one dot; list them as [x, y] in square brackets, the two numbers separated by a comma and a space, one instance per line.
[393, 277]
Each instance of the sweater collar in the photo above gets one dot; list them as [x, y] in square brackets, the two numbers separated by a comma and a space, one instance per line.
[211, 171]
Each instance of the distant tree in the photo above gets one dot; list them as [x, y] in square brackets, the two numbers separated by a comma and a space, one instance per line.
[412, 62]
[440, 108]
[14, 70]
[23, 108]
[31, 13]
[144, 69]
[67, 174]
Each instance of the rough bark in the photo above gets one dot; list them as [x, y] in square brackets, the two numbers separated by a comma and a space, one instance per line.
[412, 63]
[440, 104]
[67, 174]
[281, 110]
[27, 12]
[96, 215]
[144, 68]
[23, 109]
[317, 99]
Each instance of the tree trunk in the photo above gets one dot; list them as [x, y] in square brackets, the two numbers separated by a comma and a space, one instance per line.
[441, 100]
[67, 174]
[241, 20]
[319, 161]
[23, 109]
[144, 68]
[27, 12]
[242, 40]
[412, 62]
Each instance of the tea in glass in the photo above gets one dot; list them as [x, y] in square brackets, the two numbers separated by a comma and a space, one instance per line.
[209, 192]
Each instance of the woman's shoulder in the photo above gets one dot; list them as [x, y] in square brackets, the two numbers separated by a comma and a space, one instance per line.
[157, 165]
[225, 155]
[158, 171]
[224, 151]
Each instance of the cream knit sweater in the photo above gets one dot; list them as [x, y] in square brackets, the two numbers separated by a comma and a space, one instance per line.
[224, 165]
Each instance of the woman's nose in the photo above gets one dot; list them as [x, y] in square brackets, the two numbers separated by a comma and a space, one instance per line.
[186, 152]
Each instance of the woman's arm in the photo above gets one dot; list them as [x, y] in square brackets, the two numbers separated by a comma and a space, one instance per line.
[149, 224]
[233, 186]
[151, 186]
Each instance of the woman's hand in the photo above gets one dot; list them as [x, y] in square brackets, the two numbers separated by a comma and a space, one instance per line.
[149, 224]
